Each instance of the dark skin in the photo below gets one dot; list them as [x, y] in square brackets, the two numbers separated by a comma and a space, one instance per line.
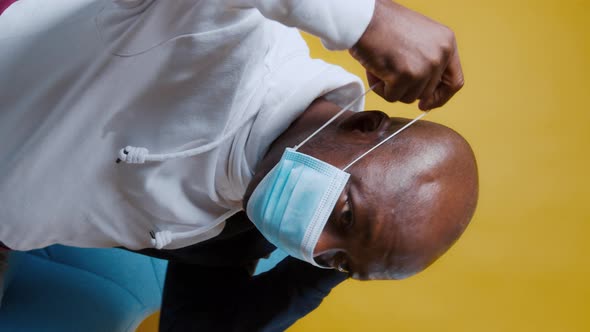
[405, 203]
[412, 56]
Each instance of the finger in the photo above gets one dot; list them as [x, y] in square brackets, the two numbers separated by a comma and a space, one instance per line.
[413, 93]
[452, 81]
[428, 93]
[374, 80]
[394, 91]
[391, 91]
[441, 95]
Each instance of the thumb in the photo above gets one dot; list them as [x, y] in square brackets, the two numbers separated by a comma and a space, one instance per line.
[374, 80]
[451, 82]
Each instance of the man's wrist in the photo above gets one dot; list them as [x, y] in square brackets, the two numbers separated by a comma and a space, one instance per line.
[362, 44]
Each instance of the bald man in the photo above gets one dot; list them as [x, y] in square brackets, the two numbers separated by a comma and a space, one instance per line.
[403, 207]
[190, 96]
[404, 204]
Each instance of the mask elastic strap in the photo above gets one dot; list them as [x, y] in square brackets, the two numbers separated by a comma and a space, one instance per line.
[345, 108]
[385, 140]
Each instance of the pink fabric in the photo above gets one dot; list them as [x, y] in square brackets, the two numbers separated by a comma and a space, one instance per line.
[5, 4]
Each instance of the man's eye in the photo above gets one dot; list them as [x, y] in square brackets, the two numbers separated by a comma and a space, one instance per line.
[347, 217]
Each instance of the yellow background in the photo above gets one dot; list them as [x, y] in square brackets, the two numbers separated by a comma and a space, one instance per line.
[522, 265]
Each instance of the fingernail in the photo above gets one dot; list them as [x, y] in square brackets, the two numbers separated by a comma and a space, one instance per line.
[423, 105]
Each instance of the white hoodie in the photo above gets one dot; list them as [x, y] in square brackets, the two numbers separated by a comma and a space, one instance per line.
[79, 80]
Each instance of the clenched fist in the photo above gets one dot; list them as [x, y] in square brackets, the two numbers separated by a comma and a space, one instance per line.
[413, 56]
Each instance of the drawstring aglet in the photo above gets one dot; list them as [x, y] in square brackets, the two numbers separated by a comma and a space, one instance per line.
[133, 155]
[119, 159]
[160, 239]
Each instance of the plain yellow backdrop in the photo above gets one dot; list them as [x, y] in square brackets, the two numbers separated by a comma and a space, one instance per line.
[523, 264]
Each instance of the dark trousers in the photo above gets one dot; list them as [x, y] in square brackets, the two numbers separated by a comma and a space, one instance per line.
[199, 298]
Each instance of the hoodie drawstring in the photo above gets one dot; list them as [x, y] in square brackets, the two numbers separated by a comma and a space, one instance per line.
[161, 239]
[133, 155]
[140, 155]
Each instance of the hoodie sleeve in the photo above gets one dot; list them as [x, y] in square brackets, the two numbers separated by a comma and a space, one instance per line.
[339, 23]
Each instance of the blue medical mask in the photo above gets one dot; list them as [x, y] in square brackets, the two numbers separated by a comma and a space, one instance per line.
[293, 202]
[291, 205]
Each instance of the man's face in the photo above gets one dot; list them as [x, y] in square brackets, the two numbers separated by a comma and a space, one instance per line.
[360, 237]
[404, 204]
[371, 236]
[396, 215]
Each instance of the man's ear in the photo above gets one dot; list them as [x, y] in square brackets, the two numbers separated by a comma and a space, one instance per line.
[366, 122]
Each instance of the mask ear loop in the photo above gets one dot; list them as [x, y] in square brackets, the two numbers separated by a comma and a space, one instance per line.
[385, 140]
[345, 108]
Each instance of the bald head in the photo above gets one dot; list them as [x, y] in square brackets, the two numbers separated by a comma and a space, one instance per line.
[405, 203]
[429, 186]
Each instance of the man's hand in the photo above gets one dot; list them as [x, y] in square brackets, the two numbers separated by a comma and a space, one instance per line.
[411, 55]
